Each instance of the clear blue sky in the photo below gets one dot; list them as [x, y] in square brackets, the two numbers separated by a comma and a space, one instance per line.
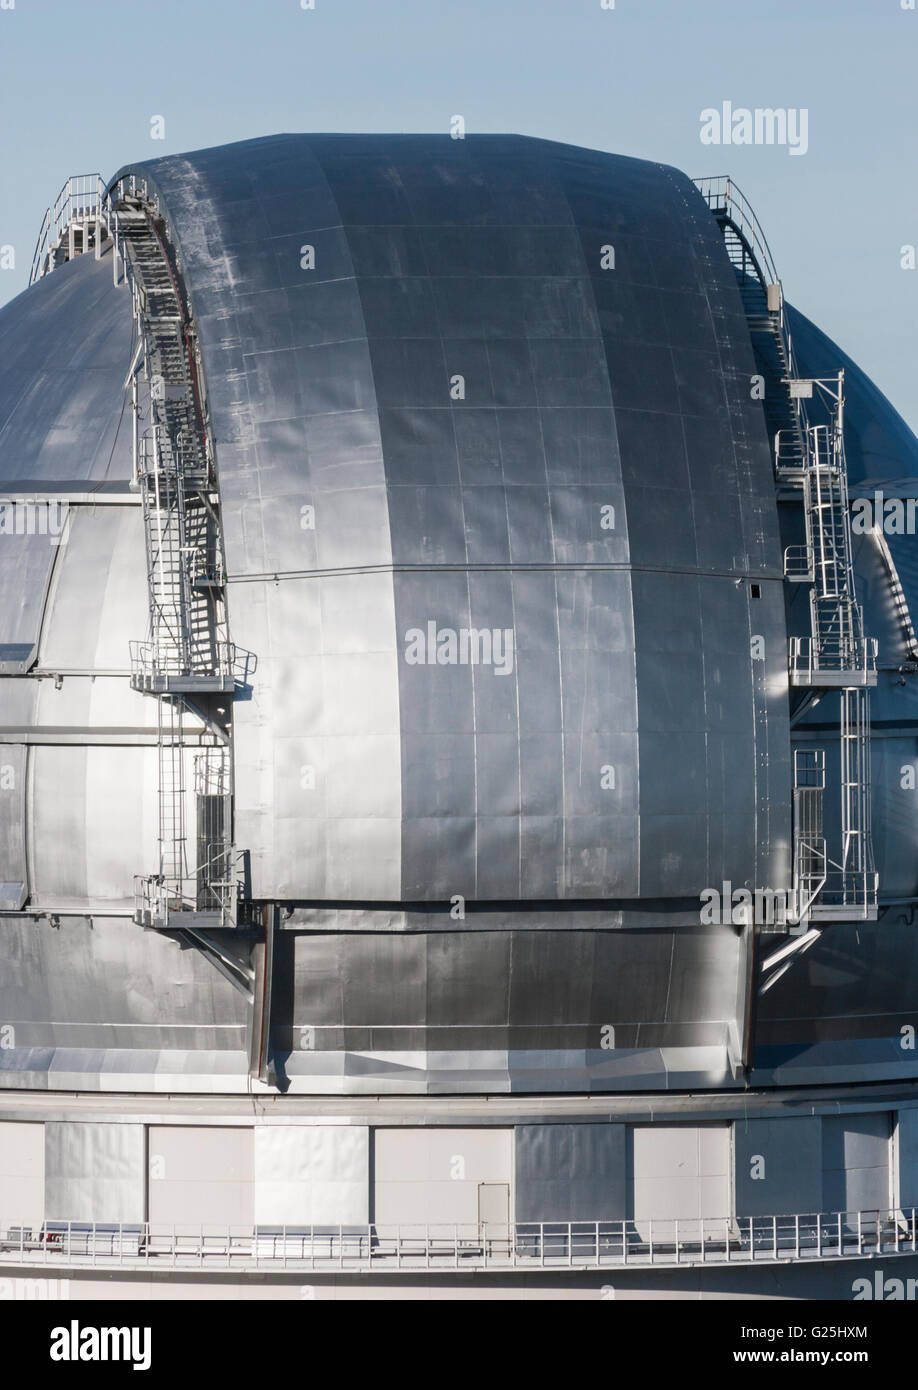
[81, 79]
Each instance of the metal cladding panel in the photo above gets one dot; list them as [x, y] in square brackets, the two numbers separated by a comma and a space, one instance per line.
[26, 563]
[570, 1172]
[778, 1166]
[310, 1175]
[435, 1176]
[864, 972]
[93, 823]
[678, 1172]
[513, 1008]
[855, 1162]
[303, 491]
[424, 382]
[58, 424]
[100, 985]
[14, 876]
[907, 1156]
[878, 443]
[94, 1172]
[22, 1173]
[201, 1176]
[95, 608]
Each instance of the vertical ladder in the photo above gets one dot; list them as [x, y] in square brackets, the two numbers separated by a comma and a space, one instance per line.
[171, 753]
[836, 652]
[858, 878]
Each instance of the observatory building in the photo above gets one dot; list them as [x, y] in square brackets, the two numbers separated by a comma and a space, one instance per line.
[458, 739]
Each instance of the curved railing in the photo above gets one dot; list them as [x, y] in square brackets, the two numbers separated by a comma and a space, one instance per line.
[722, 194]
[725, 199]
[521, 1245]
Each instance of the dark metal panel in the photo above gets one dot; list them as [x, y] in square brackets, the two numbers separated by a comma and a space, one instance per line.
[907, 1152]
[778, 1166]
[570, 1172]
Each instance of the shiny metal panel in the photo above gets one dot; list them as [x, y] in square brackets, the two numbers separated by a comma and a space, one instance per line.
[94, 1172]
[570, 1172]
[312, 1175]
[350, 412]
[94, 985]
[361, 499]
[14, 877]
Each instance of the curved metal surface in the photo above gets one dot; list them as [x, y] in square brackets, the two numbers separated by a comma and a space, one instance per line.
[586, 389]
[596, 495]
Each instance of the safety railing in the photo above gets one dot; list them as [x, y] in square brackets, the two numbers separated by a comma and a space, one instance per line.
[724, 197]
[833, 656]
[722, 194]
[174, 903]
[524, 1245]
[799, 564]
[850, 888]
[150, 660]
[80, 201]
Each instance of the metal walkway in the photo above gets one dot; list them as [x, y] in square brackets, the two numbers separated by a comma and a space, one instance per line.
[526, 1246]
[810, 468]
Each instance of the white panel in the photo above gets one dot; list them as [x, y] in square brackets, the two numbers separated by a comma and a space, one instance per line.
[201, 1176]
[22, 1174]
[327, 698]
[680, 1173]
[93, 821]
[97, 607]
[94, 1172]
[431, 1176]
[309, 1175]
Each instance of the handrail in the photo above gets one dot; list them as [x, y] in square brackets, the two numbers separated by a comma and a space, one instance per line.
[722, 191]
[82, 197]
[522, 1245]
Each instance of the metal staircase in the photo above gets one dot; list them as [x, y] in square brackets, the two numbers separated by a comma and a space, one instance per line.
[186, 661]
[810, 468]
[187, 649]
